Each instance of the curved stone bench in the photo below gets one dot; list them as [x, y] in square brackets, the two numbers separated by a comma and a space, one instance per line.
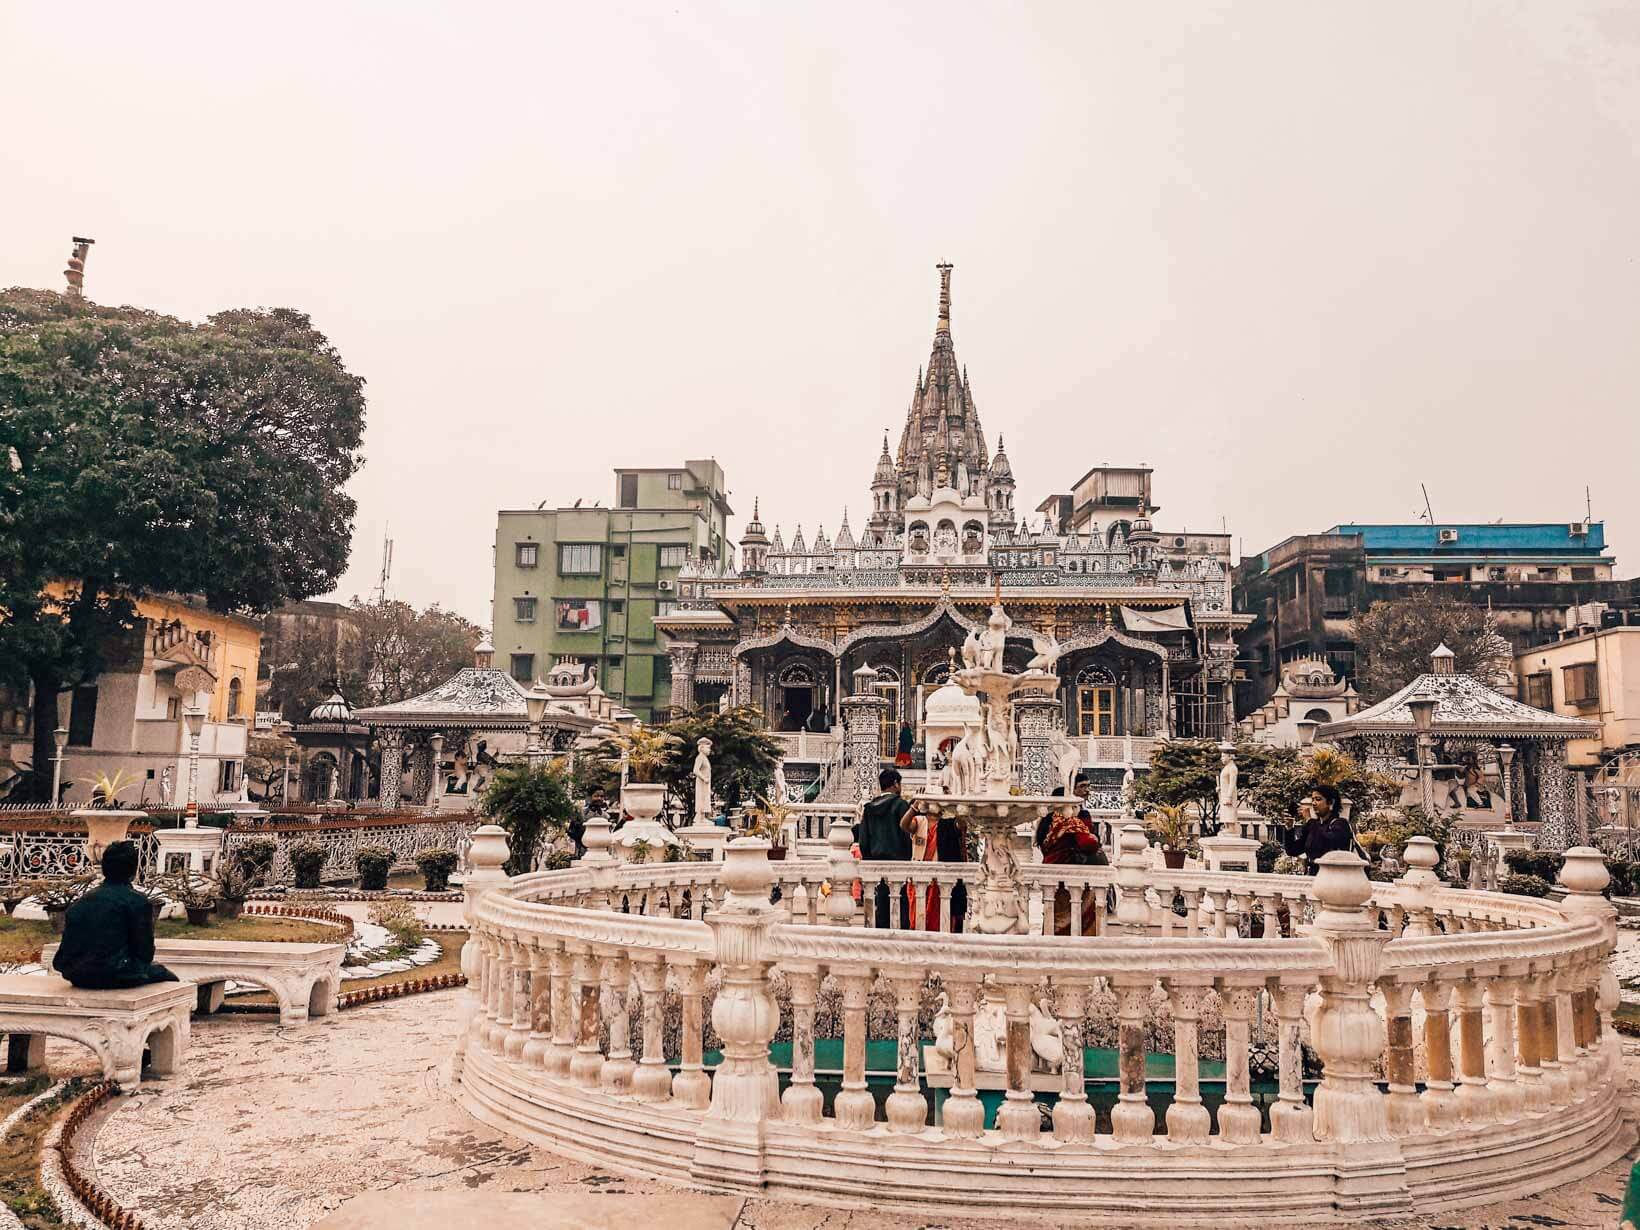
[302, 978]
[117, 1025]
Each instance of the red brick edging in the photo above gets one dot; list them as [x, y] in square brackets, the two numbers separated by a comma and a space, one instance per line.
[98, 1202]
[397, 990]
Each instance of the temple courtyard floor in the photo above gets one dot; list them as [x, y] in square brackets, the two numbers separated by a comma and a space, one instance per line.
[348, 1122]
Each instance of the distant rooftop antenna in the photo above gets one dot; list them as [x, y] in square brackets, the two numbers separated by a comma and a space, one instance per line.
[75, 273]
[383, 584]
[1429, 512]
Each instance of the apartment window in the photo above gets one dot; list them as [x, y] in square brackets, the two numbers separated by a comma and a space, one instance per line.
[173, 708]
[580, 559]
[524, 554]
[1338, 582]
[524, 610]
[674, 557]
[82, 716]
[1287, 586]
[229, 780]
[1582, 686]
[665, 606]
[617, 605]
[1452, 574]
[236, 695]
[629, 491]
[522, 667]
[579, 614]
[1582, 573]
[674, 482]
[1538, 690]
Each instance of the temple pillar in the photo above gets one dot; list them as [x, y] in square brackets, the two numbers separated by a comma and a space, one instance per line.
[1554, 795]
[392, 768]
[683, 655]
[1036, 715]
[862, 723]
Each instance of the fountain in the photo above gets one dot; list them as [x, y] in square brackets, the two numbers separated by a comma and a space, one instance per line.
[985, 791]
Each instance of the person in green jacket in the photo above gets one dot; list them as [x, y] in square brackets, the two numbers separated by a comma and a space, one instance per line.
[884, 832]
[108, 934]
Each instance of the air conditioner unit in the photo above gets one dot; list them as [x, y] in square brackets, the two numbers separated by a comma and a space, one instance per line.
[665, 587]
[1448, 536]
[1578, 529]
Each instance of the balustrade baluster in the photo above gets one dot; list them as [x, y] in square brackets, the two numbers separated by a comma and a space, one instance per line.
[802, 1101]
[962, 1116]
[1213, 903]
[1474, 1098]
[1192, 903]
[652, 1082]
[587, 1061]
[1528, 1025]
[1580, 1025]
[501, 1014]
[615, 1076]
[1508, 1098]
[1272, 916]
[1017, 1117]
[907, 1107]
[947, 923]
[1131, 1119]
[1554, 1076]
[1441, 1110]
[480, 1026]
[1073, 1118]
[540, 1034]
[1101, 908]
[1187, 1119]
[1566, 1033]
[1239, 1119]
[691, 1087]
[523, 1015]
[854, 1107]
[1164, 909]
[559, 967]
[1402, 1109]
[1291, 1120]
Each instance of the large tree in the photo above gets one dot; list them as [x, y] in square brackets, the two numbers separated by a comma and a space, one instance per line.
[143, 454]
[1394, 638]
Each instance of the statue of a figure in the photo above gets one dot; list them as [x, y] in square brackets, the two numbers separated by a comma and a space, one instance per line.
[1067, 759]
[999, 749]
[723, 702]
[703, 781]
[1047, 652]
[165, 785]
[994, 639]
[780, 790]
[1227, 787]
[1127, 789]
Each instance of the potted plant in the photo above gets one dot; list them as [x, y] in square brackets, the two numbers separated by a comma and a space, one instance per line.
[645, 751]
[769, 822]
[244, 867]
[435, 865]
[157, 900]
[105, 821]
[1171, 828]
[56, 894]
[307, 863]
[374, 864]
[196, 894]
[639, 851]
[12, 894]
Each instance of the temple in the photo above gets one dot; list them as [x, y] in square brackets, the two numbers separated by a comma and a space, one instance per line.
[1139, 620]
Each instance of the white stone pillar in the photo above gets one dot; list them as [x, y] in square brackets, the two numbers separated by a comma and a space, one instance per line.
[1349, 1035]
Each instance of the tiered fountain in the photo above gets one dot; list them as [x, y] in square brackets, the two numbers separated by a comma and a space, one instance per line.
[983, 776]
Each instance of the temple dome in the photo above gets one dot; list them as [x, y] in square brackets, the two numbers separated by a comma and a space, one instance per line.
[951, 706]
[334, 709]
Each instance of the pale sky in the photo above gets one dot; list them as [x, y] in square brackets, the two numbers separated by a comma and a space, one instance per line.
[1299, 257]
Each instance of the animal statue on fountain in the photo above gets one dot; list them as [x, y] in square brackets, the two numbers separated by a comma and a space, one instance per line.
[1067, 760]
[1047, 1038]
[994, 640]
[703, 781]
[970, 651]
[990, 1037]
[967, 762]
[1046, 655]
[1000, 752]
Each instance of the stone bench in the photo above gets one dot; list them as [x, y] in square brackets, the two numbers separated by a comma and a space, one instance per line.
[117, 1025]
[302, 978]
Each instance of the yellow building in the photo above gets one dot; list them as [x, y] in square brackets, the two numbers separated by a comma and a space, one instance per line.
[179, 656]
[1592, 674]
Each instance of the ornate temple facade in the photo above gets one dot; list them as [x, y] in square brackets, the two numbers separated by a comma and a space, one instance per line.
[1141, 618]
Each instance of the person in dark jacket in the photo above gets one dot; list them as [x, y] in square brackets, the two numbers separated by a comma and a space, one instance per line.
[884, 832]
[1326, 829]
[108, 935]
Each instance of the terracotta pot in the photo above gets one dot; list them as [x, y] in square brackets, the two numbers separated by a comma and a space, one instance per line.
[57, 918]
[198, 915]
[777, 853]
[1173, 860]
[229, 908]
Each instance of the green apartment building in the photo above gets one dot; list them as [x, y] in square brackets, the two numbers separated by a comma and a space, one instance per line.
[586, 583]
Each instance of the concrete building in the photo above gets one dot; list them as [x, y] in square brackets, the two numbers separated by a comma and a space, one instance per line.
[177, 657]
[1592, 671]
[585, 584]
[1304, 592]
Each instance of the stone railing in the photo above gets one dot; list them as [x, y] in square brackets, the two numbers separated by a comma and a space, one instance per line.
[405, 836]
[43, 850]
[1464, 1038]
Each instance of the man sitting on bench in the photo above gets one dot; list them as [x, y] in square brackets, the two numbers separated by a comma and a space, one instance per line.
[108, 936]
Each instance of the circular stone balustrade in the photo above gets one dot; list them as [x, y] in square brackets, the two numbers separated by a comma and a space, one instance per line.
[1465, 1037]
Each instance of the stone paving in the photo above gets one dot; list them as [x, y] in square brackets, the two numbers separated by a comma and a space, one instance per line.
[273, 1128]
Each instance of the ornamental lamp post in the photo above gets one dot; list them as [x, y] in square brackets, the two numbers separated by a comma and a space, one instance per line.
[535, 704]
[1423, 720]
[1306, 731]
[195, 719]
[1506, 761]
[60, 737]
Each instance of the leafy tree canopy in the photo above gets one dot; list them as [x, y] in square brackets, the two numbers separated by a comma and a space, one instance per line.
[1394, 638]
[528, 803]
[143, 454]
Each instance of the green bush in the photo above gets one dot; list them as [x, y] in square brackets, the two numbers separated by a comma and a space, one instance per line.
[307, 861]
[528, 802]
[1525, 885]
[1623, 874]
[435, 866]
[1544, 864]
[1268, 853]
[556, 860]
[373, 862]
[398, 919]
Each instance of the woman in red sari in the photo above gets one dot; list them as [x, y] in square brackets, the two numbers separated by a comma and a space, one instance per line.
[945, 842]
[1070, 839]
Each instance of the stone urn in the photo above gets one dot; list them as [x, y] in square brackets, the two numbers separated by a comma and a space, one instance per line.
[105, 826]
[643, 802]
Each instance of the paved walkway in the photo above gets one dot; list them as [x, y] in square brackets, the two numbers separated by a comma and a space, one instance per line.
[273, 1128]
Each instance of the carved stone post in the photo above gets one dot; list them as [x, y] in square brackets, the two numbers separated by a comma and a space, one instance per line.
[682, 654]
[1349, 1036]
[1530, 1066]
[1440, 1102]
[1555, 1081]
[1131, 1119]
[1238, 1117]
[692, 1087]
[1576, 1073]
[854, 1107]
[1554, 795]
[862, 729]
[1291, 1119]
[1187, 1119]
[1402, 1109]
[1036, 713]
[588, 1060]
[1584, 877]
[1132, 879]
[486, 855]
[1474, 1098]
[840, 901]
[745, 1090]
[652, 1082]
[599, 861]
[392, 769]
[540, 1035]
[559, 1053]
[907, 1107]
[1018, 1118]
[615, 1076]
[1418, 885]
[802, 1101]
[1073, 1117]
[523, 1010]
[1508, 1098]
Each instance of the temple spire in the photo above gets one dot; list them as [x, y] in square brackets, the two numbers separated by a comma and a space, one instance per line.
[944, 325]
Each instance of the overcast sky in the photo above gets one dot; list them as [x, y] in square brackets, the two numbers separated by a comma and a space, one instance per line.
[1299, 257]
